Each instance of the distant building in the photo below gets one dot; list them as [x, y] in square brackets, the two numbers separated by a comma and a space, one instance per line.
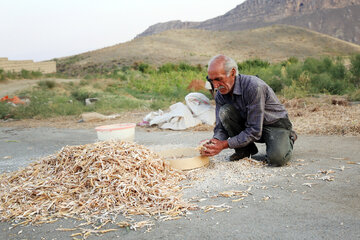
[30, 65]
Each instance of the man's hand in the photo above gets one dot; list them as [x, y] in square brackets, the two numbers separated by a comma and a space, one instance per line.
[213, 147]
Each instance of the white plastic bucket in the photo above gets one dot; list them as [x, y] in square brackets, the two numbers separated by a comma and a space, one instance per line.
[122, 131]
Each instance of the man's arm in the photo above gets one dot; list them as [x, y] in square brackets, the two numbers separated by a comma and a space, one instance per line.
[219, 140]
[255, 118]
[219, 131]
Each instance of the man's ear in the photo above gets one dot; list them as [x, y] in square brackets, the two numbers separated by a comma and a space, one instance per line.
[233, 72]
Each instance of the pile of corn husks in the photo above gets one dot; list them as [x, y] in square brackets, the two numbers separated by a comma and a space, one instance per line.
[93, 181]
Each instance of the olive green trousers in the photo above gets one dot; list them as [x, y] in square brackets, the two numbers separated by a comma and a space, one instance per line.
[277, 136]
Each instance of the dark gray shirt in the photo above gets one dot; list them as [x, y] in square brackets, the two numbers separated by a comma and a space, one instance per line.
[257, 105]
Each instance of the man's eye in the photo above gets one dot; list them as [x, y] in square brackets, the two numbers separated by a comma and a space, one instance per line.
[212, 80]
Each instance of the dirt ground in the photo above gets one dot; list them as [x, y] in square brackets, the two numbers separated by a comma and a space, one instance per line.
[315, 197]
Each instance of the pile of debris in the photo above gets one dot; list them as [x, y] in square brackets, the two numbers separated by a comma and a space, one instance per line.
[324, 116]
[95, 182]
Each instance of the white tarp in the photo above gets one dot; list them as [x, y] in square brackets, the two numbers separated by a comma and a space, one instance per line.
[198, 110]
[179, 118]
[201, 108]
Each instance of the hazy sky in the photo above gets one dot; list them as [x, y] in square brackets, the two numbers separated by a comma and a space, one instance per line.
[46, 29]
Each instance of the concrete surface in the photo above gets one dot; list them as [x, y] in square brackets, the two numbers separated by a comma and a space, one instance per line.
[290, 204]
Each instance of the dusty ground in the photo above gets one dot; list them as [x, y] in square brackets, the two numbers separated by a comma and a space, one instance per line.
[315, 197]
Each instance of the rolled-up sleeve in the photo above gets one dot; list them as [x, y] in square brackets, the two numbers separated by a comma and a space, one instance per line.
[255, 116]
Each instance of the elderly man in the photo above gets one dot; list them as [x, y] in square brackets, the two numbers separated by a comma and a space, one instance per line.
[247, 111]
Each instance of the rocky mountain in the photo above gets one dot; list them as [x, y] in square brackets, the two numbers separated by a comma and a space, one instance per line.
[337, 18]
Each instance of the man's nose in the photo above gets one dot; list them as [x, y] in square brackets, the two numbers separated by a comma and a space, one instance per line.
[216, 84]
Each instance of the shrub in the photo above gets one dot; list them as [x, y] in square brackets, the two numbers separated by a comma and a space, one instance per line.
[318, 66]
[355, 69]
[293, 91]
[326, 64]
[276, 84]
[167, 67]
[293, 71]
[299, 88]
[25, 73]
[338, 71]
[142, 67]
[248, 64]
[47, 84]
[311, 65]
[272, 76]
[81, 95]
[323, 83]
[304, 81]
[2, 75]
[5, 110]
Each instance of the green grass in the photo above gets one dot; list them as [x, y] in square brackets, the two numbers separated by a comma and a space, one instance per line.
[23, 74]
[146, 87]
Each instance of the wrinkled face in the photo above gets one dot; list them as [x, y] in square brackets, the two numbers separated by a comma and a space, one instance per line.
[217, 76]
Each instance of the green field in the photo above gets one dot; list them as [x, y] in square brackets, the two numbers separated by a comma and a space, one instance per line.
[147, 87]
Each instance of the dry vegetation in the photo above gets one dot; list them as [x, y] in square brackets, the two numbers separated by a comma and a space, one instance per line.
[324, 116]
[313, 116]
[95, 182]
[275, 43]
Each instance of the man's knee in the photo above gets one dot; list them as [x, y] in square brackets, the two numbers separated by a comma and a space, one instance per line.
[225, 112]
[278, 158]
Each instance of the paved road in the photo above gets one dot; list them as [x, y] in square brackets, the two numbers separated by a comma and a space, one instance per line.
[290, 204]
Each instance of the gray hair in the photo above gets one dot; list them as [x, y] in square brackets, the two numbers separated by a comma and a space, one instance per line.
[229, 63]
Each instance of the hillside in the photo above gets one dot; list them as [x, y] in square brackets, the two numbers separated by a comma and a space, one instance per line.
[337, 18]
[274, 43]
